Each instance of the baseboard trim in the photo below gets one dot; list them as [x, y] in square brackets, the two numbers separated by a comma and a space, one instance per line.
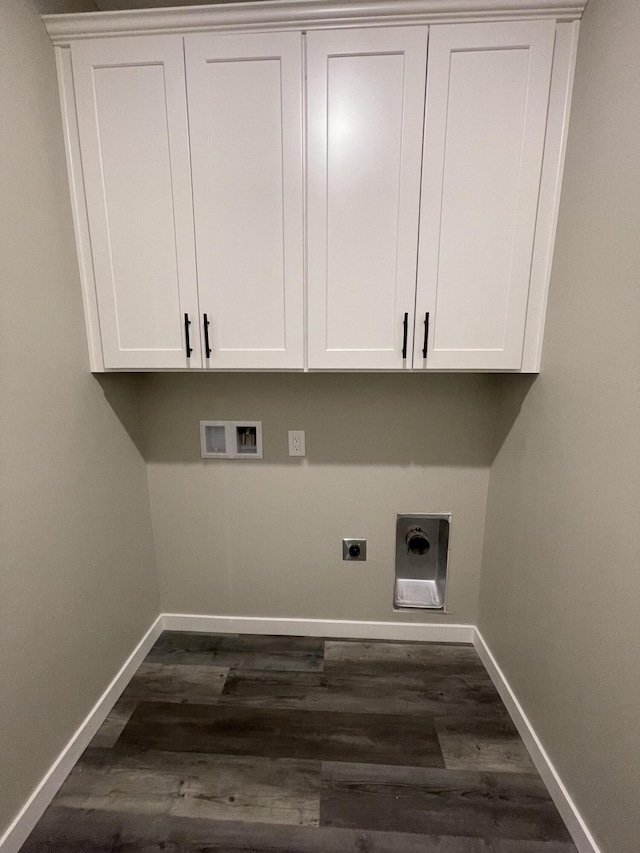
[24, 822]
[576, 825]
[347, 629]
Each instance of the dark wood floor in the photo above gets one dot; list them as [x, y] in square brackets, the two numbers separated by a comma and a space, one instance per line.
[245, 743]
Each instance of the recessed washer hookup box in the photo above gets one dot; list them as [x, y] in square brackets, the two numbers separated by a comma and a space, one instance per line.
[422, 560]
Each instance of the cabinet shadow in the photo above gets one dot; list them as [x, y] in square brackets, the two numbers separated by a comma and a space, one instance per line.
[425, 420]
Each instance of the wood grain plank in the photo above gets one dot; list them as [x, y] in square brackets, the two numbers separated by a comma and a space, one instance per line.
[159, 682]
[200, 786]
[352, 657]
[239, 651]
[114, 724]
[324, 735]
[64, 830]
[364, 693]
[432, 801]
[478, 742]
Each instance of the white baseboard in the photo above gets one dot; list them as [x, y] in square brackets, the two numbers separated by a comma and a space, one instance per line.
[26, 819]
[338, 628]
[578, 829]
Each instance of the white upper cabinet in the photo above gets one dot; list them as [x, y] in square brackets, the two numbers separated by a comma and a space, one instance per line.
[365, 105]
[245, 122]
[289, 187]
[132, 126]
[485, 124]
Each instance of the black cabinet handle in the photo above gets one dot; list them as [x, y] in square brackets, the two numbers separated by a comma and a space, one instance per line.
[207, 348]
[426, 335]
[404, 335]
[187, 323]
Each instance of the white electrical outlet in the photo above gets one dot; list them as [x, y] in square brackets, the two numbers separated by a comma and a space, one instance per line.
[296, 442]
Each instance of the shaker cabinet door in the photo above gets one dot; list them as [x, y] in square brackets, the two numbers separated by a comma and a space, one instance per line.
[245, 122]
[485, 122]
[132, 124]
[365, 107]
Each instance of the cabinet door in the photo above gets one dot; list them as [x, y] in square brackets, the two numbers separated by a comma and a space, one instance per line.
[132, 123]
[245, 121]
[365, 101]
[486, 112]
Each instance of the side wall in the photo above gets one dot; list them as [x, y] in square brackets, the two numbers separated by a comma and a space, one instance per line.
[77, 584]
[264, 538]
[560, 593]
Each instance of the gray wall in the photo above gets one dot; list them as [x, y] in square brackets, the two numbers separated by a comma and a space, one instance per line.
[263, 538]
[77, 585]
[560, 594]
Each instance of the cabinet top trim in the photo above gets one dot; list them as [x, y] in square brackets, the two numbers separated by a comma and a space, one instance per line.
[302, 14]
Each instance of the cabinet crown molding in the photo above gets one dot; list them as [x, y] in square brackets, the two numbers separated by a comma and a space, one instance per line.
[302, 14]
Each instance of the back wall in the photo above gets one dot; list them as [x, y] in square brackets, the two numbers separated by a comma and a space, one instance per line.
[264, 538]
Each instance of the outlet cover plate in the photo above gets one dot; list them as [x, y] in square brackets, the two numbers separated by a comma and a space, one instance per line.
[296, 442]
[356, 543]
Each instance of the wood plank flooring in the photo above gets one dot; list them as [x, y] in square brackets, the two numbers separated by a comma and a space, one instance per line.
[250, 744]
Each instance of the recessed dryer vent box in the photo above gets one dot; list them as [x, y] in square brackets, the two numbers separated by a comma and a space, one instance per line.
[231, 439]
[422, 560]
